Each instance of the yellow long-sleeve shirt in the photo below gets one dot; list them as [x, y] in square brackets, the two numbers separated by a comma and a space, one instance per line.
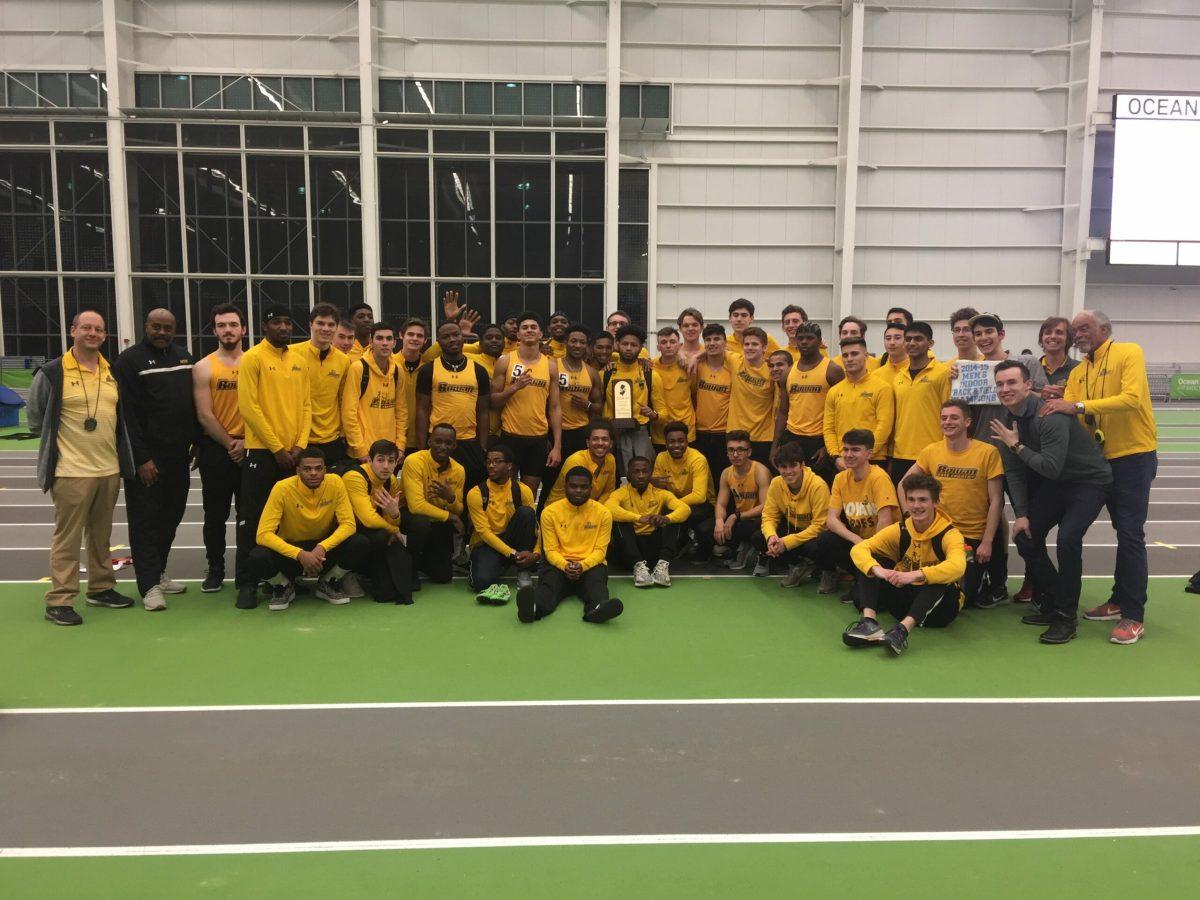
[490, 523]
[378, 413]
[361, 483]
[690, 478]
[1113, 387]
[919, 408]
[274, 398]
[326, 371]
[802, 513]
[866, 403]
[677, 406]
[885, 545]
[604, 475]
[576, 532]
[295, 513]
[627, 505]
[420, 470]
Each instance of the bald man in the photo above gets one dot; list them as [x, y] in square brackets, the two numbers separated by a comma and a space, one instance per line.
[155, 380]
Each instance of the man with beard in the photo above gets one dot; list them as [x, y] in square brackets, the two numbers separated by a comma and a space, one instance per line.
[453, 388]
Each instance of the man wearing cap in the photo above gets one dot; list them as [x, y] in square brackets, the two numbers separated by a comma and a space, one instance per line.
[275, 401]
[988, 330]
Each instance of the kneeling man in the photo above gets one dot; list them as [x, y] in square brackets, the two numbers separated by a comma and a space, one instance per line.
[374, 492]
[647, 520]
[505, 529]
[795, 514]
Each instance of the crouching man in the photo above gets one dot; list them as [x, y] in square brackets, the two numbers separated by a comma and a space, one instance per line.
[374, 492]
[795, 514]
[647, 523]
[575, 535]
[505, 529]
[307, 528]
[912, 569]
[433, 504]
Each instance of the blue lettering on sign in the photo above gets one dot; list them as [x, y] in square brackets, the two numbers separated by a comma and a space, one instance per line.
[976, 383]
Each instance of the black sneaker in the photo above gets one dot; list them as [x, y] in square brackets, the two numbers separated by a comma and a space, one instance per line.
[1045, 620]
[526, 609]
[863, 633]
[989, 601]
[109, 598]
[896, 639]
[847, 597]
[602, 612]
[1060, 632]
[214, 578]
[247, 597]
[1193, 585]
[63, 615]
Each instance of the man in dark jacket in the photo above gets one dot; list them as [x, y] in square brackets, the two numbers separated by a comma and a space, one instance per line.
[1057, 476]
[155, 378]
[75, 406]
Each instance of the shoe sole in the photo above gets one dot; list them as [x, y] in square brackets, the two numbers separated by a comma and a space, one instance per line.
[1113, 618]
[205, 589]
[181, 590]
[275, 607]
[1042, 639]
[658, 583]
[56, 622]
[1113, 640]
[611, 611]
[857, 642]
[335, 601]
[100, 603]
[643, 584]
[525, 608]
[154, 608]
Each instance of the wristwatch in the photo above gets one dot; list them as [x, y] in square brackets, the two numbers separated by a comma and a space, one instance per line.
[1079, 407]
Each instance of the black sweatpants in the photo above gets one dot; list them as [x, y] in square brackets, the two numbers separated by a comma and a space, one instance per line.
[388, 565]
[155, 512]
[932, 605]
[487, 565]
[349, 554]
[431, 546]
[220, 482]
[994, 572]
[259, 474]
[337, 456]
[711, 445]
[830, 552]
[554, 587]
[898, 468]
[810, 446]
[469, 454]
[743, 530]
[573, 439]
[793, 557]
[661, 543]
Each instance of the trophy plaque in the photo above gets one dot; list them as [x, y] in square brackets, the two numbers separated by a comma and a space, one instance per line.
[622, 392]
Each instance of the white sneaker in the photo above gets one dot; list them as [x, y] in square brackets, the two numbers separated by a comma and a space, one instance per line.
[829, 582]
[524, 578]
[281, 596]
[742, 558]
[662, 573]
[720, 551]
[762, 566]
[797, 575]
[641, 575]
[351, 587]
[167, 586]
[331, 590]
[154, 599]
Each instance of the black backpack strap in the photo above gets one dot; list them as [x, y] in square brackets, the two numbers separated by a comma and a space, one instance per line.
[365, 380]
[484, 494]
[516, 492]
[935, 542]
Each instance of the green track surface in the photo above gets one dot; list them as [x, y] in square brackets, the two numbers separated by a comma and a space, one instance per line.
[1170, 416]
[1125, 867]
[707, 638]
[1178, 431]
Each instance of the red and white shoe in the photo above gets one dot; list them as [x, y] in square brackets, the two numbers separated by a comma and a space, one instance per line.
[1127, 632]
[1105, 612]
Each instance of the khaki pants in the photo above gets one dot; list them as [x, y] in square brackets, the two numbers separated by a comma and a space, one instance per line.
[81, 505]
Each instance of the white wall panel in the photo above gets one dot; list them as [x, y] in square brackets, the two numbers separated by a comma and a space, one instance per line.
[30, 39]
[959, 226]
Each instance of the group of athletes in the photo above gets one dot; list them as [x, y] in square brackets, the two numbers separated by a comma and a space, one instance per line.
[374, 456]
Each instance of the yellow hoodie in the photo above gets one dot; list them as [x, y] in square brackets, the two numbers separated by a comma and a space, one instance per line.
[802, 512]
[274, 397]
[691, 481]
[1115, 391]
[378, 413]
[885, 546]
[489, 524]
[576, 532]
[627, 505]
[297, 513]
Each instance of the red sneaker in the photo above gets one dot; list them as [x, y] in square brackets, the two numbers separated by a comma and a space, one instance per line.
[1025, 594]
[1105, 612]
[1127, 632]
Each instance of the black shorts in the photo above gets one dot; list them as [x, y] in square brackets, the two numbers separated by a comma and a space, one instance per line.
[529, 453]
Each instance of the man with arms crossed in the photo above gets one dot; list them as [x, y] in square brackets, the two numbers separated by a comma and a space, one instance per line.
[75, 407]
[1057, 476]
[525, 389]
[222, 446]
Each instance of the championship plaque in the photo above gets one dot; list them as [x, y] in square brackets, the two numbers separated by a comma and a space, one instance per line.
[622, 389]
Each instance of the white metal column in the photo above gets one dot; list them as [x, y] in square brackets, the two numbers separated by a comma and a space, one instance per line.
[850, 116]
[612, 152]
[118, 188]
[369, 171]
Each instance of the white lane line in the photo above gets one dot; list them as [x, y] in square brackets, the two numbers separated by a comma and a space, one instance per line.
[557, 704]
[601, 840]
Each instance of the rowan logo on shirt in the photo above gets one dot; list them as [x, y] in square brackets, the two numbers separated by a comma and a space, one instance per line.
[590, 526]
[804, 389]
[445, 387]
[381, 402]
[332, 373]
[297, 368]
[752, 380]
[712, 386]
[966, 473]
[226, 384]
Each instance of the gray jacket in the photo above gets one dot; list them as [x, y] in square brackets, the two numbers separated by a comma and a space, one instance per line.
[1056, 448]
[45, 407]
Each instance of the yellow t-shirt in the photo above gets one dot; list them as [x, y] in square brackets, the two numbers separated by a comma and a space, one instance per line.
[676, 388]
[752, 401]
[524, 413]
[964, 479]
[712, 395]
[83, 453]
[861, 501]
[806, 399]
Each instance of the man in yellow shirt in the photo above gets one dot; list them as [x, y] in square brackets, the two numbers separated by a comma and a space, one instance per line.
[307, 528]
[737, 516]
[854, 327]
[504, 529]
[795, 513]
[741, 317]
[713, 383]
[575, 536]
[633, 436]
[410, 357]
[580, 395]
[600, 350]
[557, 325]
[912, 569]
[920, 390]
[327, 367]
[670, 371]
[684, 472]
[754, 400]
[1110, 391]
[343, 337]
[801, 416]
[894, 357]
[454, 388]
[972, 479]
[525, 390]
[362, 317]
[597, 457]
[433, 504]
[859, 401]
[374, 403]
[861, 503]
[374, 492]
[647, 520]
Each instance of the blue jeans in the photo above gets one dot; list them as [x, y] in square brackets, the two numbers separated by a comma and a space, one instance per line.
[1128, 505]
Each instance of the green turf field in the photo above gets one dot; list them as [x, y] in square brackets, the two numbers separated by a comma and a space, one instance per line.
[700, 638]
[1091, 868]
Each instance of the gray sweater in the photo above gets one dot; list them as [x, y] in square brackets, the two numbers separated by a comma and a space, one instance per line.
[1056, 448]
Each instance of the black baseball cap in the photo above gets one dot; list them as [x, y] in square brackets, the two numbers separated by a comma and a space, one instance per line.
[987, 320]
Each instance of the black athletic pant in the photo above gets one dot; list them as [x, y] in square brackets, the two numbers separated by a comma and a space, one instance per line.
[388, 565]
[760, 451]
[573, 439]
[743, 530]
[259, 474]
[431, 545]
[337, 456]
[994, 571]
[932, 605]
[469, 454]
[830, 552]
[554, 587]
[898, 468]
[661, 543]
[266, 564]
[155, 512]
[810, 446]
[711, 445]
[793, 557]
[220, 481]
[487, 565]
[700, 513]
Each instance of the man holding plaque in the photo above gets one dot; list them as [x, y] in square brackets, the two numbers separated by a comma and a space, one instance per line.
[988, 331]
[632, 398]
